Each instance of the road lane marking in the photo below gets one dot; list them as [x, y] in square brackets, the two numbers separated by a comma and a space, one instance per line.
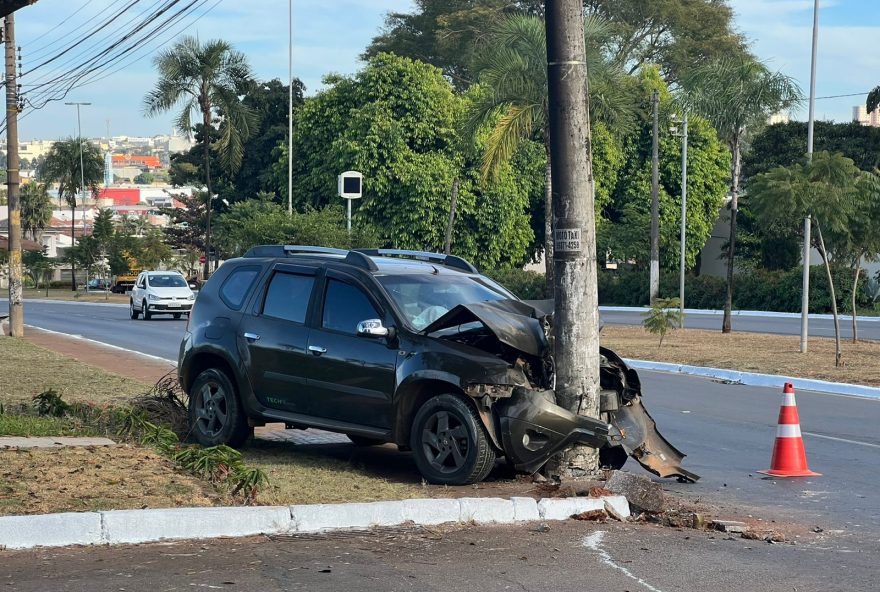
[110, 345]
[593, 542]
[842, 440]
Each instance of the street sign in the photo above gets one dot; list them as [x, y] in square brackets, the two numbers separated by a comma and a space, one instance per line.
[202, 259]
[351, 185]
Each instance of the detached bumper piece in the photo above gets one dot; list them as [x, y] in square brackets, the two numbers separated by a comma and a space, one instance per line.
[643, 442]
[534, 428]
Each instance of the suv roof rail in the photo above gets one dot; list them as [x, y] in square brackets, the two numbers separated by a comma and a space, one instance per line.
[447, 260]
[355, 258]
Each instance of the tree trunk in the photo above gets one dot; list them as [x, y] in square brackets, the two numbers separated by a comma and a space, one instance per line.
[452, 204]
[731, 243]
[855, 326]
[206, 122]
[576, 316]
[548, 219]
[824, 255]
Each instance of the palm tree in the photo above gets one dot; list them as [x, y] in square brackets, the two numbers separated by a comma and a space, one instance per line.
[737, 95]
[515, 70]
[209, 78]
[36, 209]
[62, 165]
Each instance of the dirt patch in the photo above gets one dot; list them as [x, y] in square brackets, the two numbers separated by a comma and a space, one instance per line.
[750, 352]
[89, 479]
[28, 370]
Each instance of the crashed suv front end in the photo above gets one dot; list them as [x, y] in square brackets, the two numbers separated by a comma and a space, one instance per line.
[517, 404]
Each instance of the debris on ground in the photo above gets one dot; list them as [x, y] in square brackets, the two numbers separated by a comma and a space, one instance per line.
[643, 494]
[729, 526]
[612, 512]
[592, 516]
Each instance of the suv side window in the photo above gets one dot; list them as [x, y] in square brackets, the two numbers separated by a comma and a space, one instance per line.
[288, 296]
[142, 282]
[236, 286]
[345, 306]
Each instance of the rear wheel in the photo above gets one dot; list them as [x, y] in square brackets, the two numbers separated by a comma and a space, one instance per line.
[449, 444]
[363, 440]
[146, 311]
[215, 413]
[132, 311]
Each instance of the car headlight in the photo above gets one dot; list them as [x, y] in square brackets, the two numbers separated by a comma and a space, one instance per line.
[192, 297]
[152, 297]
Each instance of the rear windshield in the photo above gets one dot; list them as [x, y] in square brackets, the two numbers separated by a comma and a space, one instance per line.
[424, 298]
[171, 280]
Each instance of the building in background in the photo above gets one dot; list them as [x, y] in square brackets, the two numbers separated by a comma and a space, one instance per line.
[861, 115]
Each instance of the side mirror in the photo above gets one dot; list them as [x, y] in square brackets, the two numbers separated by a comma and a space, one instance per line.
[373, 328]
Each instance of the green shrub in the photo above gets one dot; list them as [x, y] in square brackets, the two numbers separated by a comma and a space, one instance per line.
[663, 317]
[527, 285]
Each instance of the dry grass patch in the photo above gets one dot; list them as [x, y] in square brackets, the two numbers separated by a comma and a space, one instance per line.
[300, 478]
[28, 370]
[751, 352]
[38, 481]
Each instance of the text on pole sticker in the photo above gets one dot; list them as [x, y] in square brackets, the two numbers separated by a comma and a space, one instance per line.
[567, 240]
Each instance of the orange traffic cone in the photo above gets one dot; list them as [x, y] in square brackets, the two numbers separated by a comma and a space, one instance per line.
[789, 456]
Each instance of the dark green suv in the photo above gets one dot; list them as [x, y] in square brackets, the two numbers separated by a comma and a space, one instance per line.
[413, 348]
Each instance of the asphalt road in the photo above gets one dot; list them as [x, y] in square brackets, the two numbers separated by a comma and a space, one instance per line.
[818, 327]
[727, 431]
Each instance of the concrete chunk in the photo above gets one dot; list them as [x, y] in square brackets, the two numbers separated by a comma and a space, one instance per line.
[729, 526]
[643, 494]
[616, 506]
[50, 530]
[139, 526]
[525, 509]
[484, 510]
[318, 517]
[431, 511]
[563, 508]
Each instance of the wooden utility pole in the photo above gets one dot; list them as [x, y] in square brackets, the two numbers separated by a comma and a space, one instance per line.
[655, 203]
[16, 305]
[576, 314]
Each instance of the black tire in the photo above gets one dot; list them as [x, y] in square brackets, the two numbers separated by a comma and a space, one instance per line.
[449, 444]
[177, 315]
[363, 440]
[215, 412]
[132, 311]
[612, 457]
[145, 310]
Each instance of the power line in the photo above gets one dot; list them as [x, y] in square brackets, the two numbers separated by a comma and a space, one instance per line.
[864, 94]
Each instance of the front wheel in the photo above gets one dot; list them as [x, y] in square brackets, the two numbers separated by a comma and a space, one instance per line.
[449, 444]
[132, 311]
[215, 413]
[145, 309]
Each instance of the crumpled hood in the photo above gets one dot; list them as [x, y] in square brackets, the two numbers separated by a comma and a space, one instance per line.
[514, 323]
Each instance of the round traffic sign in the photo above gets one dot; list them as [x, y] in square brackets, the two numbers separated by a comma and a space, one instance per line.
[202, 259]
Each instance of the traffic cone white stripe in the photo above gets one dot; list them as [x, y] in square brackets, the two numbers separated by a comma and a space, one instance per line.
[788, 400]
[788, 431]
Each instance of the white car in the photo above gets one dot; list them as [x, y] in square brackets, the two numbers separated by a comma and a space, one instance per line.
[160, 292]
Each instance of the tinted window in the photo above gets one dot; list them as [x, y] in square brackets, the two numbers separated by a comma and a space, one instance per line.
[236, 286]
[345, 306]
[288, 296]
[170, 280]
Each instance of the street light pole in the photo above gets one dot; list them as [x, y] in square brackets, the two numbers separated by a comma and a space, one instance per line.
[684, 180]
[290, 108]
[82, 184]
[654, 286]
[805, 293]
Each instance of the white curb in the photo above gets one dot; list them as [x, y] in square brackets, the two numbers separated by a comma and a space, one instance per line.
[756, 379]
[141, 526]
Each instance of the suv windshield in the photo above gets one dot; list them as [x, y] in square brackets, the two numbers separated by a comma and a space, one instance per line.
[171, 280]
[425, 298]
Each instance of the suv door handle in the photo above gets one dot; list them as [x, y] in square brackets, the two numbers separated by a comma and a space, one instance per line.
[317, 349]
[251, 336]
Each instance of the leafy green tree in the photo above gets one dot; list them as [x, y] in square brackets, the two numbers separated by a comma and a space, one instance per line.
[36, 209]
[209, 78]
[186, 227]
[154, 251]
[736, 94]
[827, 188]
[514, 68]
[397, 122]
[62, 165]
[145, 179]
[38, 267]
[625, 232]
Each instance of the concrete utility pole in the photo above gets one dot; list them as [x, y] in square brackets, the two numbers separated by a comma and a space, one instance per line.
[290, 108]
[655, 203]
[805, 292]
[576, 312]
[82, 185]
[16, 305]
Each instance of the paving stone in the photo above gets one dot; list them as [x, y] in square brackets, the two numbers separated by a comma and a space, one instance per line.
[52, 442]
[643, 494]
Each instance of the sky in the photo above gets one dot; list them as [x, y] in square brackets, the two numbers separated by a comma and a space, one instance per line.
[330, 35]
